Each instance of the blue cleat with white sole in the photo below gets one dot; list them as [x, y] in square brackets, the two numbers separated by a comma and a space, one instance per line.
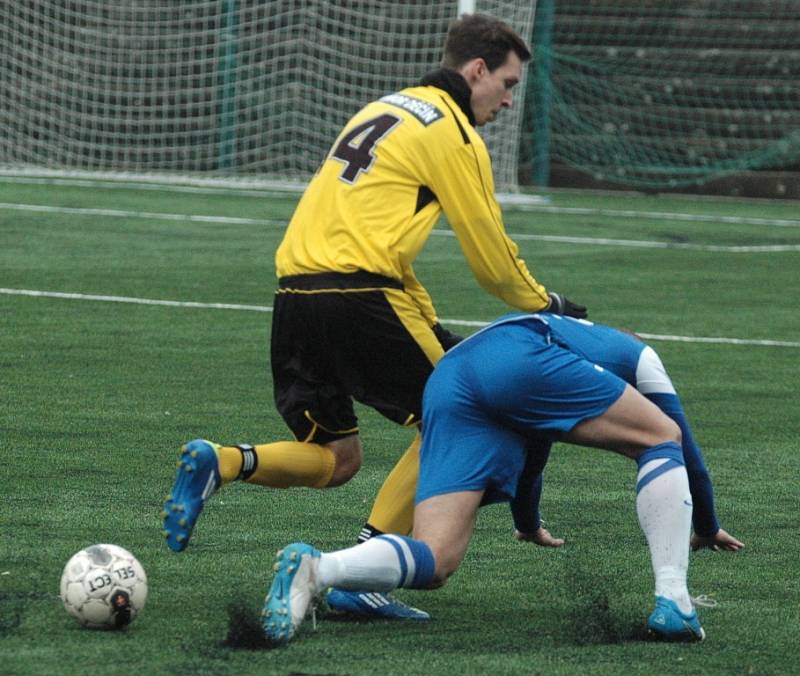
[372, 604]
[668, 623]
[292, 593]
[197, 478]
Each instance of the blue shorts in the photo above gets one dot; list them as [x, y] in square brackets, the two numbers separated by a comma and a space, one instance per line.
[486, 397]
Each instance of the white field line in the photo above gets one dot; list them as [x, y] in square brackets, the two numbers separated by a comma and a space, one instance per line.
[644, 244]
[258, 191]
[252, 187]
[267, 308]
[664, 215]
[596, 241]
[121, 213]
[275, 188]
[134, 301]
[118, 179]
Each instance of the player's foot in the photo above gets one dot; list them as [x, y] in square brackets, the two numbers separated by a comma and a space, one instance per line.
[292, 592]
[668, 623]
[197, 478]
[372, 604]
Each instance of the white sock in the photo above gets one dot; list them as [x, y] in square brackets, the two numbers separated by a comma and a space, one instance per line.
[664, 507]
[371, 566]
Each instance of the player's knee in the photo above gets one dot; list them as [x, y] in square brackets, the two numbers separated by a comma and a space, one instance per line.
[656, 427]
[445, 567]
[349, 453]
[661, 431]
[670, 430]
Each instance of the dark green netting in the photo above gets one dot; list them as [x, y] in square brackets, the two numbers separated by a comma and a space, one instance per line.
[666, 94]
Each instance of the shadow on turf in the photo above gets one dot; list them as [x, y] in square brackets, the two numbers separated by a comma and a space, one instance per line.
[592, 622]
[14, 605]
[591, 618]
[244, 628]
[246, 633]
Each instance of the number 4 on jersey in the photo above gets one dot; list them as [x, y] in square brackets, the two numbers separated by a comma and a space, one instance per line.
[356, 146]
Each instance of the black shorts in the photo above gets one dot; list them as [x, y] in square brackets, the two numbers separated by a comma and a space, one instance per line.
[338, 337]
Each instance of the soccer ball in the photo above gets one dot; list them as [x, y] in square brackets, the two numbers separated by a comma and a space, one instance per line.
[103, 587]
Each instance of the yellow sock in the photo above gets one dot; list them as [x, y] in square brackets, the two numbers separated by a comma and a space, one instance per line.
[230, 462]
[393, 509]
[292, 463]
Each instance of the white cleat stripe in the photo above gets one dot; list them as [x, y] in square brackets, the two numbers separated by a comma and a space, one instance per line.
[209, 489]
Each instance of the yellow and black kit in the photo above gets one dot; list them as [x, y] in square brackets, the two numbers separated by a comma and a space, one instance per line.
[351, 318]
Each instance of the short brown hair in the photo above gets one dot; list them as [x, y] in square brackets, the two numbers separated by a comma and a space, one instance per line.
[473, 36]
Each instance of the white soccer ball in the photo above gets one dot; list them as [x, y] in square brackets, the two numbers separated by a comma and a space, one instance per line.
[104, 587]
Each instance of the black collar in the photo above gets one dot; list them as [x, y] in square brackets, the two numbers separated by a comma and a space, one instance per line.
[454, 84]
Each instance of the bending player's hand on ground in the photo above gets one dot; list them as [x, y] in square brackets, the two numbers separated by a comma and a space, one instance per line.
[541, 537]
[721, 540]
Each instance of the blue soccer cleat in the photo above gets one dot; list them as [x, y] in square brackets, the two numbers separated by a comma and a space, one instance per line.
[293, 590]
[668, 623]
[372, 604]
[197, 478]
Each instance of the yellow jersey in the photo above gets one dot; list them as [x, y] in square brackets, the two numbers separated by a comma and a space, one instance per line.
[396, 165]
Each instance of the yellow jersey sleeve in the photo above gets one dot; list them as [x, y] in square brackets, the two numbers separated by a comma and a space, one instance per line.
[459, 172]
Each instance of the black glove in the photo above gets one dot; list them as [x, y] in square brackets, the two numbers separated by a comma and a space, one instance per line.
[445, 338]
[561, 305]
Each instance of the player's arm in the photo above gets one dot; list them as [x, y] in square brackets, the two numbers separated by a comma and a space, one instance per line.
[491, 254]
[704, 515]
[463, 184]
[707, 531]
[459, 174]
[525, 505]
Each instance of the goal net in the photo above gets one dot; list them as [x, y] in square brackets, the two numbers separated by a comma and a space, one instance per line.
[209, 88]
[665, 93]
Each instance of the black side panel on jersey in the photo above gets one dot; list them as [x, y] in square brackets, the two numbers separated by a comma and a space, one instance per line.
[424, 197]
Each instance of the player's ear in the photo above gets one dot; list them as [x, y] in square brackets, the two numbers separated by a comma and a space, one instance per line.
[473, 70]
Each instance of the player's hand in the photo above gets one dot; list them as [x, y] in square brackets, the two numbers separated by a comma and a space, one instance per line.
[446, 338]
[561, 305]
[721, 540]
[541, 537]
